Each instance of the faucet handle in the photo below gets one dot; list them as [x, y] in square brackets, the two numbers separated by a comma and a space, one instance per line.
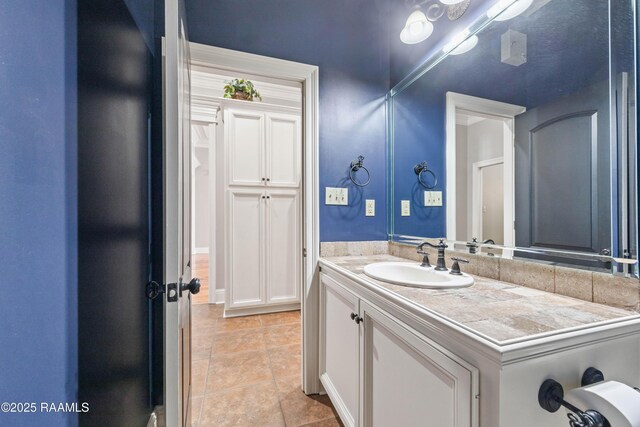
[455, 268]
[425, 259]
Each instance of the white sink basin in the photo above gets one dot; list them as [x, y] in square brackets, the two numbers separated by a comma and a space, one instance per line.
[408, 274]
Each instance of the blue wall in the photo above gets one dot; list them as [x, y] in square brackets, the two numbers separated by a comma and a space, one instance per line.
[37, 207]
[348, 41]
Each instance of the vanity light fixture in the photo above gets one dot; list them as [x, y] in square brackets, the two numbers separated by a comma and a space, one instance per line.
[417, 28]
[504, 10]
[419, 25]
[465, 46]
[461, 43]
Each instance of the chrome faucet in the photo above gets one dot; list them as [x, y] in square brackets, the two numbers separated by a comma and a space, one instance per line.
[440, 263]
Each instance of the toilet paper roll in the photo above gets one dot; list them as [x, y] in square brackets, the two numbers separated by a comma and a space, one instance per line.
[619, 403]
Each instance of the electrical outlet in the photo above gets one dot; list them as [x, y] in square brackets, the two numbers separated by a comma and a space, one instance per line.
[336, 196]
[405, 208]
[370, 208]
[433, 198]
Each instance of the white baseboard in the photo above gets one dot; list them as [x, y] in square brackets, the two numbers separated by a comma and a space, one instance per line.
[247, 311]
[204, 250]
[218, 296]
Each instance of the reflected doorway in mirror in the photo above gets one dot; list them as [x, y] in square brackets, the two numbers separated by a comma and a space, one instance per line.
[478, 130]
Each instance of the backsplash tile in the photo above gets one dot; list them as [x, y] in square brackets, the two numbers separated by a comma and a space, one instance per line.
[511, 271]
[574, 283]
[488, 266]
[331, 249]
[539, 276]
[616, 291]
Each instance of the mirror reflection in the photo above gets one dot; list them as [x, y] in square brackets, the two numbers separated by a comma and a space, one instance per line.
[524, 133]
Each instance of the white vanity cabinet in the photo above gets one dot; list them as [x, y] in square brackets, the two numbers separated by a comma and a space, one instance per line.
[262, 214]
[340, 348]
[380, 372]
[415, 367]
[407, 380]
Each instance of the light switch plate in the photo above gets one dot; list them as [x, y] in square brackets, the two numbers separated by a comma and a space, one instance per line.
[370, 207]
[433, 198]
[342, 196]
[405, 208]
[336, 196]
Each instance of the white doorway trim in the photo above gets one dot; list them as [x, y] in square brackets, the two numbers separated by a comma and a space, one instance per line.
[204, 112]
[307, 75]
[477, 203]
[496, 110]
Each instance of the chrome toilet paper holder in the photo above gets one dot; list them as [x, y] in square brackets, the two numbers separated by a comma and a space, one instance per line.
[551, 398]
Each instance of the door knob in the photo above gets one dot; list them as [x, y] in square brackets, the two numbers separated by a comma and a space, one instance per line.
[193, 286]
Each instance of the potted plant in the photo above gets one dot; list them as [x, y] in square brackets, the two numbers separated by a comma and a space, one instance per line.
[241, 89]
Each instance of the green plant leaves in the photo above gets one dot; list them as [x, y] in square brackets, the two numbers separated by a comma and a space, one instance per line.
[242, 86]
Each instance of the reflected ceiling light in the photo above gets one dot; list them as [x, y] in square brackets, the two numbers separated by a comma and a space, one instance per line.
[448, 2]
[461, 43]
[465, 46]
[417, 28]
[508, 9]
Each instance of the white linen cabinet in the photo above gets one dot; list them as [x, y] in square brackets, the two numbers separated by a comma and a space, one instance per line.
[262, 160]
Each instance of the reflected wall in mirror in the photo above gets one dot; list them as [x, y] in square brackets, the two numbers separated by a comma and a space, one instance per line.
[529, 127]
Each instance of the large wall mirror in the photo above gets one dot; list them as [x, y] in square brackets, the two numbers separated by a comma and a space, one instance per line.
[523, 133]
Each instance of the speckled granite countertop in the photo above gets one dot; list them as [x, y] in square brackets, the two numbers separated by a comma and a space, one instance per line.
[498, 311]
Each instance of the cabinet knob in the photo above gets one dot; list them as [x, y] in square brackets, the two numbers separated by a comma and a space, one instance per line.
[268, 179]
[356, 318]
[263, 179]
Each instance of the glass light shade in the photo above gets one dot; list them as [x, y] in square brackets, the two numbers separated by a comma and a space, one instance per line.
[417, 28]
[455, 41]
[511, 9]
[465, 46]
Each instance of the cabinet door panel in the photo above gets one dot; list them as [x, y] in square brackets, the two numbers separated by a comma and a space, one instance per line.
[245, 243]
[245, 141]
[339, 349]
[283, 246]
[408, 382]
[284, 150]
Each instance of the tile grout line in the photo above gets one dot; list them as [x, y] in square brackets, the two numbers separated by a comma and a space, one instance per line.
[321, 421]
[275, 383]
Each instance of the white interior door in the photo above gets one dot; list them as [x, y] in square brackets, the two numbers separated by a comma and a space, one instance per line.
[177, 216]
[488, 210]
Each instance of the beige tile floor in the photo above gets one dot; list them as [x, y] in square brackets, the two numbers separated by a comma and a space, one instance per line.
[246, 372]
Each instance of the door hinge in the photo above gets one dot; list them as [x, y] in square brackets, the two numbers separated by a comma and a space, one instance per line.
[304, 252]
